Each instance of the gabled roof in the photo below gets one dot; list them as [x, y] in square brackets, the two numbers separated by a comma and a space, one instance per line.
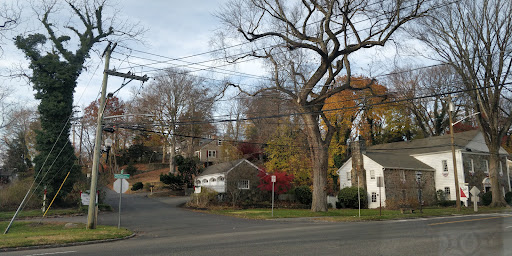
[427, 145]
[390, 160]
[224, 167]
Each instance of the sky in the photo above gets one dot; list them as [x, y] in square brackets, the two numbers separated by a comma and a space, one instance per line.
[175, 29]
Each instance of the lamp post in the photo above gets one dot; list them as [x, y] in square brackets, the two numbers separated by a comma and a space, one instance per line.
[420, 199]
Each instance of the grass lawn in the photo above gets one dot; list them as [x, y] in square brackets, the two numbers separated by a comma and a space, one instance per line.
[350, 214]
[38, 213]
[23, 234]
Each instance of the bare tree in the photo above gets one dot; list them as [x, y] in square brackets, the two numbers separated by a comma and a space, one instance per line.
[430, 115]
[306, 45]
[167, 99]
[9, 19]
[475, 38]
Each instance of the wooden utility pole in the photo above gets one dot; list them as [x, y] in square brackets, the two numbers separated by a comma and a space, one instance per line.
[91, 215]
[452, 137]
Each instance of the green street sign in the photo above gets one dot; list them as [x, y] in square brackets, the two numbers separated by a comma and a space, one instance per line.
[122, 176]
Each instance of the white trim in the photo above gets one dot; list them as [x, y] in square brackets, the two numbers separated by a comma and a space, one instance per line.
[346, 163]
[243, 184]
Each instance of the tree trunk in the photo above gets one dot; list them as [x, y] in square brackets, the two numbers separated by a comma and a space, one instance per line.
[164, 152]
[172, 153]
[320, 157]
[498, 199]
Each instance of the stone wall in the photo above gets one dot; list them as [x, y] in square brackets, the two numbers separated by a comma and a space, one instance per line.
[477, 177]
[402, 188]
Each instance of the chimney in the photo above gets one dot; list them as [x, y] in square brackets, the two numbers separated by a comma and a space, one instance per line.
[358, 148]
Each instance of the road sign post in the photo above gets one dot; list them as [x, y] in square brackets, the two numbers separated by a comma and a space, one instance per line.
[273, 179]
[119, 188]
[474, 192]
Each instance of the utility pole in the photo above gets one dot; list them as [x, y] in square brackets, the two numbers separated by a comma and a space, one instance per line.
[91, 215]
[452, 137]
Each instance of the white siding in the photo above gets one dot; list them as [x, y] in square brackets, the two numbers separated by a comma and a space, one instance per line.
[371, 185]
[434, 160]
[218, 185]
[342, 173]
[369, 164]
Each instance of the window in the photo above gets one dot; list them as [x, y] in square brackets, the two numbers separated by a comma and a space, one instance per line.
[219, 143]
[349, 176]
[372, 174]
[374, 197]
[212, 153]
[198, 182]
[205, 181]
[243, 184]
[471, 167]
[220, 178]
[446, 190]
[445, 166]
[213, 180]
[486, 166]
[501, 170]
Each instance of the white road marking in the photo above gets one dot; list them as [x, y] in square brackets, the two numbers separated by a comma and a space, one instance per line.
[51, 253]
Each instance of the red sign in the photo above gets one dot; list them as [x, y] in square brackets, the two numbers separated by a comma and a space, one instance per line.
[462, 193]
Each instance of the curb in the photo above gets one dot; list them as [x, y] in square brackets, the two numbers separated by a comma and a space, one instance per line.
[66, 244]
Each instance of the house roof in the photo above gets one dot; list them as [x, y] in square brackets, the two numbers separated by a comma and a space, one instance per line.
[427, 145]
[224, 167]
[390, 160]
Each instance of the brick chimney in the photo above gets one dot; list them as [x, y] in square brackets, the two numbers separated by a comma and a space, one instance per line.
[358, 148]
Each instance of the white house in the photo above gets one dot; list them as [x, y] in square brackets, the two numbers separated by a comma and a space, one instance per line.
[400, 162]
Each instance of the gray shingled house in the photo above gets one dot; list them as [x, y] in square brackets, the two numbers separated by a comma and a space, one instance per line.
[238, 177]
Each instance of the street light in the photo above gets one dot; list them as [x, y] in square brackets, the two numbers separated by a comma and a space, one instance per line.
[108, 146]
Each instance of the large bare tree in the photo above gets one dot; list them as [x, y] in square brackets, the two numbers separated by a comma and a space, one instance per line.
[167, 100]
[475, 38]
[306, 45]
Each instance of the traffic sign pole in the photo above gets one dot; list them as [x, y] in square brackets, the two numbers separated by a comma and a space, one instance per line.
[273, 179]
[120, 199]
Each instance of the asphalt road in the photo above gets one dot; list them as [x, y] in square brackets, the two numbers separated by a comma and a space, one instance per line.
[164, 229]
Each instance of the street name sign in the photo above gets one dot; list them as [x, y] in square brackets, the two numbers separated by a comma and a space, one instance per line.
[121, 176]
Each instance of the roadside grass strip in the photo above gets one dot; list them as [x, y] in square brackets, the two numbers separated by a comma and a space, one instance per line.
[38, 213]
[350, 214]
[23, 234]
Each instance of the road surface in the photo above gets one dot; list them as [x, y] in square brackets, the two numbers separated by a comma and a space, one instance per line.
[164, 229]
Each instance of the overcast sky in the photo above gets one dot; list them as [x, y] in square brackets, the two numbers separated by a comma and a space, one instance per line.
[175, 29]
